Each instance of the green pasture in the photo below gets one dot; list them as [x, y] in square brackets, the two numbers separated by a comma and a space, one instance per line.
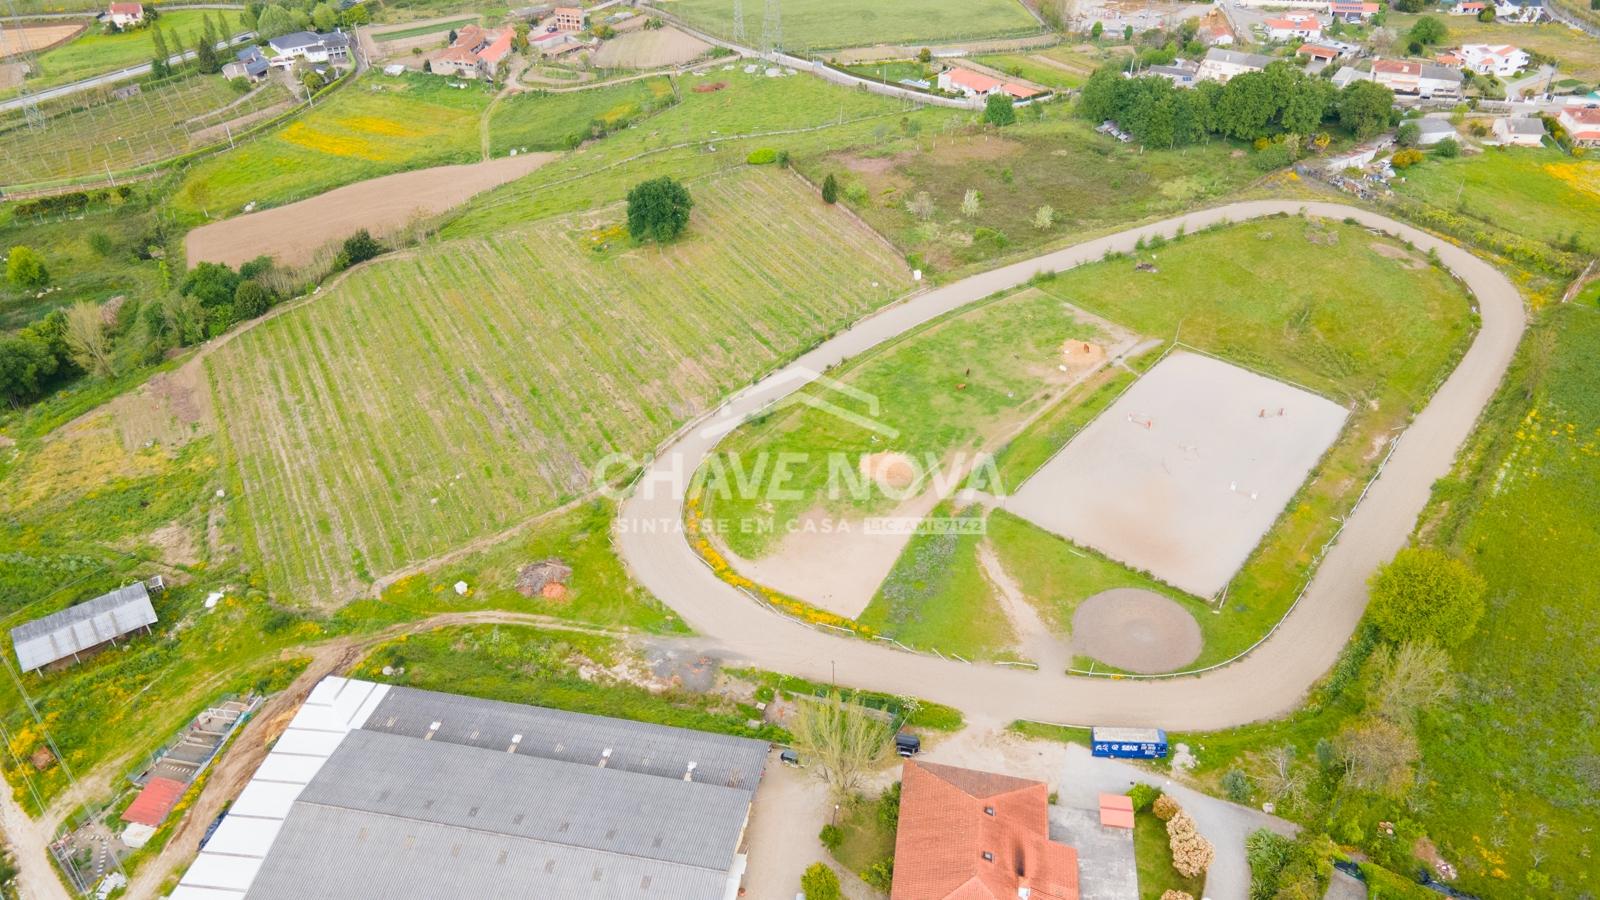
[827, 24]
[1539, 193]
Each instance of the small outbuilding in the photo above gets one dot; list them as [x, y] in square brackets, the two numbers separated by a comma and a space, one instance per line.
[84, 627]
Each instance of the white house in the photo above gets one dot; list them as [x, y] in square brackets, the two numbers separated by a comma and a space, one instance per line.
[1501, 60]
[1294, 24]
[1582, 125]
[968, 83]
[309, 46]
[1518, 132]
[1431, 131]
[1216, 36]
[123, 15]
[1221, 65]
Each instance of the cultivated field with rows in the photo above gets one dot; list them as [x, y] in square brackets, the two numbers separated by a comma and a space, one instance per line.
[443, 396]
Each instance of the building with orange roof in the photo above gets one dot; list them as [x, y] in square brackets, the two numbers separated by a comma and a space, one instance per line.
[474, 53]
[970, 835]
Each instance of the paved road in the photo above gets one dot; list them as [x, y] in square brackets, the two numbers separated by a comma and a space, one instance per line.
[130, 72]
[1224, 824]
[1269, 682]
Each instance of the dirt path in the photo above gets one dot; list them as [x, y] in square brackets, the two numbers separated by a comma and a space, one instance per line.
[234, 769]
[1035, 640]
[1267, 681]
[296, 232]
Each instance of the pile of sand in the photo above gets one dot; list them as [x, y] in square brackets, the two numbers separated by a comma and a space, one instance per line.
[1080, 355]
[890, 469]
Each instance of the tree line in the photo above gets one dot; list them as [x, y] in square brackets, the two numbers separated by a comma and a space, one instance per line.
[1279, 101]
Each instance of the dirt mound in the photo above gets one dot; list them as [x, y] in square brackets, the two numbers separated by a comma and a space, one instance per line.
[538, 579]
[1136, 630]
[889, 469]
[1410, 260]
[711, 88]
[1080, 355]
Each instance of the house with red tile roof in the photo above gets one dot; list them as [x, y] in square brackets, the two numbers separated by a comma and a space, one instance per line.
[958, 80]
[475, 53]
[970, 835]
[124, 14]
[1582, 125]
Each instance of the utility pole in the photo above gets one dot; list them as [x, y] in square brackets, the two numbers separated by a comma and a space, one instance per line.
[772, 28]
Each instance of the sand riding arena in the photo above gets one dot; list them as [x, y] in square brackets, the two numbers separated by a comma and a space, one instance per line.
[1184, 474]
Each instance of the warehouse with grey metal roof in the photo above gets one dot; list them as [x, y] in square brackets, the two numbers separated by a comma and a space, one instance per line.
[83, 627]
[384, 792]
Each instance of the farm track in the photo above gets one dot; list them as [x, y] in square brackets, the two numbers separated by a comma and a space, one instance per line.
[1269, 680]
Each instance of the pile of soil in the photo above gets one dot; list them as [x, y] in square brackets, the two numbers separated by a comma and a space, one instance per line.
[1080, 355]
[889, 469]
[547, 579]
[710, 88]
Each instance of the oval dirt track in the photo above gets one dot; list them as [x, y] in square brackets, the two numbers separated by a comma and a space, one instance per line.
[1269, 681]
[1136, 630]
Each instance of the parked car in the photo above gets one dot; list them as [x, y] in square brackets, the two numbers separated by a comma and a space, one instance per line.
[789, 758]
[907, 744]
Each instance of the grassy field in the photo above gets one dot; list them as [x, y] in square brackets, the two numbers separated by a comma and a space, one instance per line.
[76, 267]
[947, 391]
[373, 127]
[829, 24]
[560, 121]
[95, 51]
[712, 129]
[1153, 855]
[521, 664]
[1088, 180]
[1509, 786]
[1031, 68]
[420, 30]
[1573, 51]
[90, 133]
[867, 829]
[1542, 194]
[510, 393]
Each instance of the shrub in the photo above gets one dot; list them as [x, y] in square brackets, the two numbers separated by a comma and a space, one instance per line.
[1236, 785]
[1408, 134]
[1000, 110]
[658, 209]
[831, 837]
[1191, 852]
[257, 267]
[880, 874]
[1143, 796]
[211, 283]
[1425, 594]
[359, 247]
[25, 269]
[1405, 159]
[763, 156]
[1165, 808]
[250, 299]
[830, 189]
[1449, 148]
[819, 883]
[1267, 852]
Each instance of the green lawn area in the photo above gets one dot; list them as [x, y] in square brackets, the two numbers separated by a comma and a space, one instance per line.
[1153, 855]
[1088, 180]
[1516, 743]
[895, 71]
[95, 51]
[1542, 194]
[947, 391]
[1030, 67]
[541, 121]
[936, 597]
[76, 267]
[531, 357]
[867, 828]
[373, 127]
[829, 24]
